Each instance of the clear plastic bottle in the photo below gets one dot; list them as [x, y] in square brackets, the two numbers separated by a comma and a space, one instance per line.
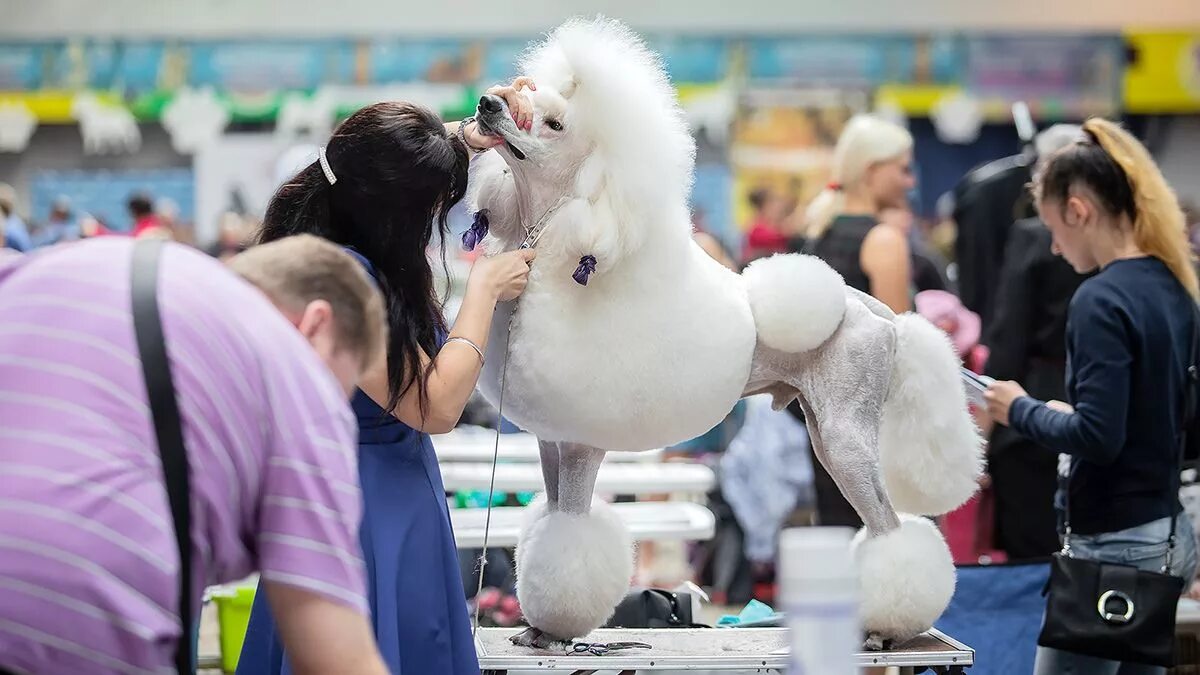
[819, 588]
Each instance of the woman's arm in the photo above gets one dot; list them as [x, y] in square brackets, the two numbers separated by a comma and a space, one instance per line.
[1101, 362]
[884, 259]
[456, 366]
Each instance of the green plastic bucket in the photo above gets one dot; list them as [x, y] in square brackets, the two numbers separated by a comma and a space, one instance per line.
[233, 615]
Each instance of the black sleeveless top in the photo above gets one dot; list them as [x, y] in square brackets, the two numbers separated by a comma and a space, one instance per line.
[841, 247]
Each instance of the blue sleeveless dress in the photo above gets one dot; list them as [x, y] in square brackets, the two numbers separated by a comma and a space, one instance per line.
[418, 607]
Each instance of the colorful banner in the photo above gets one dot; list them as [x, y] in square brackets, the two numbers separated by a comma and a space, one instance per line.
[1059, 76]
[1163, 74]
[693, 60]
[853, 61]
[455, 61]
[21, 65]
[270, 66]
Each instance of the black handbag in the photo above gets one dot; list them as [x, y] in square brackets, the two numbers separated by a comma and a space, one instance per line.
[653, 608]
[1112, 611]
[168, 431]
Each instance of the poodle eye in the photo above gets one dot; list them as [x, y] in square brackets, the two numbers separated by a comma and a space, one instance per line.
[554, 124]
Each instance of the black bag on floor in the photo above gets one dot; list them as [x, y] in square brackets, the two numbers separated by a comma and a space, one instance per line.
[653, 608]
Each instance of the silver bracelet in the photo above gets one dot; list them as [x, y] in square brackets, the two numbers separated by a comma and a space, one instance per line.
[470, 344]
[462, 135]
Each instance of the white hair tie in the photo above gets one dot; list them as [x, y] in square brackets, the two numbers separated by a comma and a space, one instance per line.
[325, 166]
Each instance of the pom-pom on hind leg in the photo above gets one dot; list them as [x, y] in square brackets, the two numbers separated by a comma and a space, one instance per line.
[904, 564]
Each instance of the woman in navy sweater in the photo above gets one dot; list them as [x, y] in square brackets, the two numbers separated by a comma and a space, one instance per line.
[1129, 337]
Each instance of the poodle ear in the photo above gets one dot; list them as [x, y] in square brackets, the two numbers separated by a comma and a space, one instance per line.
[598, 227]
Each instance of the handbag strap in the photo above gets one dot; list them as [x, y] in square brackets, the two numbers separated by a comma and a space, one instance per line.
[1190, 384]
[160, 391]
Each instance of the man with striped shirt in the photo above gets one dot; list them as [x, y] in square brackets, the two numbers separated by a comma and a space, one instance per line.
[88, 559]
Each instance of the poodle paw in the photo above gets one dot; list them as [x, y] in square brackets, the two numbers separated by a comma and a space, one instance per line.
[876, 642]
[538, 639]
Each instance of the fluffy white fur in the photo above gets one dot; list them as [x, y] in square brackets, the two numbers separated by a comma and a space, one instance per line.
[931, 452]
[572, 569]
[907, 578]
[781, 283]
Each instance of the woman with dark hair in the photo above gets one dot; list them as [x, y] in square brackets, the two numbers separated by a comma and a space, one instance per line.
[1129, 340]
[382, 187]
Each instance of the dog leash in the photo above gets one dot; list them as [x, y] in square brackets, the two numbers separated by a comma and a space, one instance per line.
[487, 523]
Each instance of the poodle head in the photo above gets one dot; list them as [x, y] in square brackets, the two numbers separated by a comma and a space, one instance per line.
[607, 128]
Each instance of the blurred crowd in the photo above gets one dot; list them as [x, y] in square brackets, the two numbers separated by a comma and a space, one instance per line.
[155, 218]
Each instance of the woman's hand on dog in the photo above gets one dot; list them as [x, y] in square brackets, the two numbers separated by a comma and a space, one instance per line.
[503, 276]
[518, 105]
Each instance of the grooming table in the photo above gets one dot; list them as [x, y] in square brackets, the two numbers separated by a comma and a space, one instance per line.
[476, 444]
[622, 479]
[647, 521]
[749, 649]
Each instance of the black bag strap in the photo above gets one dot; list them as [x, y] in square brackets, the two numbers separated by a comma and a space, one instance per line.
[160, 391]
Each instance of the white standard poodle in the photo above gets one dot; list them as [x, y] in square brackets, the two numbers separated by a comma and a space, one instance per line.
[629, 337]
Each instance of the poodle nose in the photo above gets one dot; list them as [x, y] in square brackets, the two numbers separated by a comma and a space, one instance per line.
[491, 104]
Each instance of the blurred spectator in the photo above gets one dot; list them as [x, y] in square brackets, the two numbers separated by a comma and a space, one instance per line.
[91, 226]
[145, 221]
[872, 173]
[61, 225]
[947, 312]
[765, 234]
[986, 202]
[233, 236]
[16, 235]
[1027, 341]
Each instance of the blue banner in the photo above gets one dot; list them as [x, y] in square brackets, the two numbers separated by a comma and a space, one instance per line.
[271, 66]
[426, 61]
[693, 60]
[853, 61]
[21, 65]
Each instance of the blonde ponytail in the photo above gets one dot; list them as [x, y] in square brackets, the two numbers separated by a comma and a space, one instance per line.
[1159, 227]
[822, 210]
[865, 141]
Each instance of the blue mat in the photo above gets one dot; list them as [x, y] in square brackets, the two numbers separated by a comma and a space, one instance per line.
[997, 611]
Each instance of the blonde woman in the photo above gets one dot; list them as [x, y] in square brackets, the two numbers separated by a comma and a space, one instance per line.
[872, 172]
[1129, 337]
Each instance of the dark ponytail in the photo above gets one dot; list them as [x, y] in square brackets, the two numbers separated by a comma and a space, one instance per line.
[398, 175]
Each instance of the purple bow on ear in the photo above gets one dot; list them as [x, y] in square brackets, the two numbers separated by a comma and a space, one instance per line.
[587, 265]
[477, 231]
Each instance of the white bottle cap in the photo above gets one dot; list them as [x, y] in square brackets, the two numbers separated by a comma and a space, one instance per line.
[813, 553]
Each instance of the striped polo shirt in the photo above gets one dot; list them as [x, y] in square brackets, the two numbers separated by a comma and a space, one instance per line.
[88, 558]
